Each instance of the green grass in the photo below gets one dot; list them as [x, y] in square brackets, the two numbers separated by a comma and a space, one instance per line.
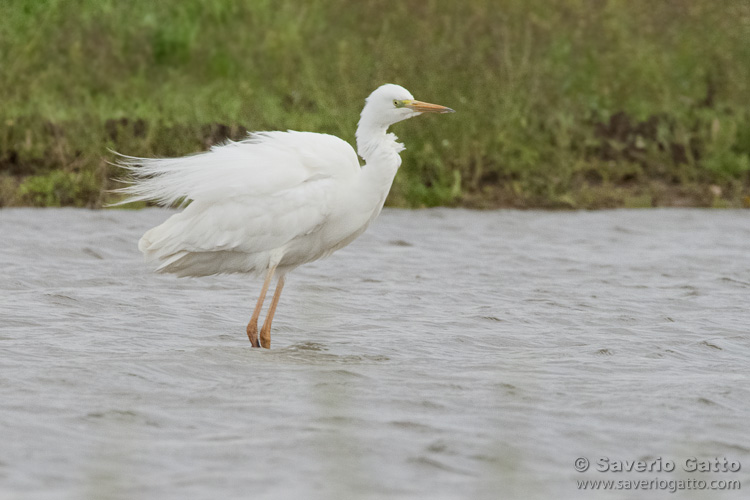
[569, 104]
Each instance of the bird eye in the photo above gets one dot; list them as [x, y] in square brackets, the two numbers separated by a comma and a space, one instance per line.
[395, 102]
[398, 104]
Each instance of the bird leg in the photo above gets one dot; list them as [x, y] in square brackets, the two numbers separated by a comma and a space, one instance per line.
[265, 332]
[252, 326]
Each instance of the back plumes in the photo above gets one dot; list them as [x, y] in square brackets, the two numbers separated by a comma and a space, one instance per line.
[262, 164]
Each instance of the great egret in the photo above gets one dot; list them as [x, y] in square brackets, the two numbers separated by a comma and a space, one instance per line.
[273, 201]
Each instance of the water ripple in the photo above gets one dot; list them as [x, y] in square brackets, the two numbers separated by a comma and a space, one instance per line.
[444, 354]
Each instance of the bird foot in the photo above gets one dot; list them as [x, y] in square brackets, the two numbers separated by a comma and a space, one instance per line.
[252, 335]
[265, 338]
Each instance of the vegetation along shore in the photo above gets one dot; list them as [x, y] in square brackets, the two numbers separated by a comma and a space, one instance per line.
[559, 104]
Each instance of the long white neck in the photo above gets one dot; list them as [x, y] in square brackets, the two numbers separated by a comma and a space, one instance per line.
[380, 151]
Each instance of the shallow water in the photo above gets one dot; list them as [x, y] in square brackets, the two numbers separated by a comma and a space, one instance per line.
[444, 354]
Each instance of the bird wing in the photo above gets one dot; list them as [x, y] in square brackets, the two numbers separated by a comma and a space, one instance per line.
[265, 163]
[242, 224]
[251, 196]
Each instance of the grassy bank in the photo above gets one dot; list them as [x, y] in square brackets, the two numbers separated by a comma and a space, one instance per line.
[559, 103]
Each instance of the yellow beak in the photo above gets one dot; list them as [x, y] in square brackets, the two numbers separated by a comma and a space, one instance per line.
[426, 107]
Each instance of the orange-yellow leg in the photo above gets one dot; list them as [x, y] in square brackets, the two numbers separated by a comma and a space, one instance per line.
[252, 327]
[265, 332]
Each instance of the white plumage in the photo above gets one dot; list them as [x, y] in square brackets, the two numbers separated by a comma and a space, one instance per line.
[273, 201]
[249, 201]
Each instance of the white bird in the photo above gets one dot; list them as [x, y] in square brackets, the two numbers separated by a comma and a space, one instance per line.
[273, 201]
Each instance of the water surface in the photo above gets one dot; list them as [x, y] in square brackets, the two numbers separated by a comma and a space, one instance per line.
[444, 354]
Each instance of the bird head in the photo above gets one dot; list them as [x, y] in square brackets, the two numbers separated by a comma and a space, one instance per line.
[390, 104]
